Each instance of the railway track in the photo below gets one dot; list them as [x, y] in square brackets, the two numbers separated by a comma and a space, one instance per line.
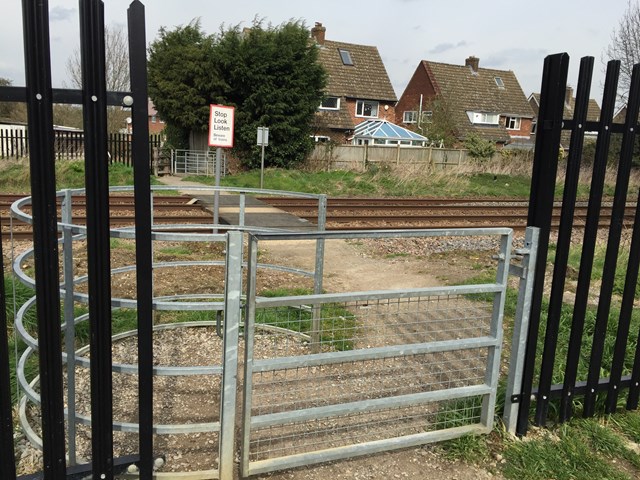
[342, 213]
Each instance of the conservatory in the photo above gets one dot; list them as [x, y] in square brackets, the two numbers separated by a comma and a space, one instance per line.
[382, 132]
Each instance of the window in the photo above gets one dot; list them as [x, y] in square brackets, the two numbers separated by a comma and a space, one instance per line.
[512, 123]
[153, 119]
[321, 138]
[499, 82]
[484, 118]
[427, 116]
[345, 55]
[410, 116]
[367, 108]
[330, 103]
[533, 127]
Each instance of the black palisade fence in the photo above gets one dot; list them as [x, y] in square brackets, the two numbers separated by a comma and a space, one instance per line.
[43, 145]
[571, 373]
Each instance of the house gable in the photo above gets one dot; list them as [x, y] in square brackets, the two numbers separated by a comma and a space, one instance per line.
[356, 76]
[491, 98]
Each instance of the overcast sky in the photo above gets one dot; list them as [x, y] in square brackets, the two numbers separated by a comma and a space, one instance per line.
[504, 34]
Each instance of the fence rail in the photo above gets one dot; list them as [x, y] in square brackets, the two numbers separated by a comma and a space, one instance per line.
[14, 143]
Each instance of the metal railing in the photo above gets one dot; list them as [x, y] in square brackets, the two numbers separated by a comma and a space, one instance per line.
[196, 162]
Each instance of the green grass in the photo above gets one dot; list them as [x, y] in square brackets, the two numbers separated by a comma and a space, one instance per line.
[337, 325]
[378, 182]
[15, 177]
[176, 251]
[582, 449]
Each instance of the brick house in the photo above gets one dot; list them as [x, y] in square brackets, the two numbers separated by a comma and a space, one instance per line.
[487, 102]
[156, 124]
[593, 115]
[358, 88]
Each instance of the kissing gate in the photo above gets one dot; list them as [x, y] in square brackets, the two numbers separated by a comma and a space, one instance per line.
[318, 375]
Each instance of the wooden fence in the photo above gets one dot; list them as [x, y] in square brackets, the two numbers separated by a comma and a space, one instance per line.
[14, 143]
[360, 157]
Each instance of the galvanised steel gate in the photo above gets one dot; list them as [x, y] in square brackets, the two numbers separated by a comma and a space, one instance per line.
[330, 376]
[326, 375]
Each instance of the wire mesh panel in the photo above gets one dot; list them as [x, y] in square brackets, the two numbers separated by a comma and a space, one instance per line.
[196, 162]
[330, 376]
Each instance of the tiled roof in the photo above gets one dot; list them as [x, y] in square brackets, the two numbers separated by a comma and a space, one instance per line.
[593, 110]
[367, 78]
[479, 91]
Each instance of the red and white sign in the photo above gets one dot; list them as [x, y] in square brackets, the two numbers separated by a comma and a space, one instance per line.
[221, 120]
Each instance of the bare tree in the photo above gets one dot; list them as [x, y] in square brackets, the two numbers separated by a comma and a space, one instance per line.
[117, 71]
[625, 46]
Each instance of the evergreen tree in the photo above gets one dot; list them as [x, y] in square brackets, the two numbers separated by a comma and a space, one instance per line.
[183, 80]
[269, 74]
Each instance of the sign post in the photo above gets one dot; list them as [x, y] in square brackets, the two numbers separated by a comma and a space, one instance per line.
[263, 140]
[221, 130]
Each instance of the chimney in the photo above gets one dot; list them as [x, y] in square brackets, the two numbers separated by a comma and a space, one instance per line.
[318, 32]
[569, 95]
[472, 62]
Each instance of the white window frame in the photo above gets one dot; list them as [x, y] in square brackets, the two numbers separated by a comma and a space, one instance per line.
[484, 118]
[512, 123]
[337, 107]
[360, 108]
[321, 138]
[410, 116]
[427, 116]
[499, 82]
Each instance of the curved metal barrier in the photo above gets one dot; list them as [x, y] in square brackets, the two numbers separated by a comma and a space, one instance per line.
[71, 283]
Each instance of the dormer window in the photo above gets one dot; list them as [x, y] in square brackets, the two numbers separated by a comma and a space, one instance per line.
[484, 118]
[330, 103]
[499, 82]
[345, 55]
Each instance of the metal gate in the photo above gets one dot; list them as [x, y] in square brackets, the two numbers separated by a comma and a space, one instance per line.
[331, 376]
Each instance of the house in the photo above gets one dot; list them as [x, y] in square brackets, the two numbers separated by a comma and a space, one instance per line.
[156, 124]
[358, 88]
[593, 114]
[482, 101]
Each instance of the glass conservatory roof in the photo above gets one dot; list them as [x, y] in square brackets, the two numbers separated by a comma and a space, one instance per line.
[383, 129]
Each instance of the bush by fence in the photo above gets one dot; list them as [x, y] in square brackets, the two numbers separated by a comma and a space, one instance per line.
[14, 143]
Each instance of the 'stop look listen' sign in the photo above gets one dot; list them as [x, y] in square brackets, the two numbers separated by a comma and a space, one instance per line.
[221, 120]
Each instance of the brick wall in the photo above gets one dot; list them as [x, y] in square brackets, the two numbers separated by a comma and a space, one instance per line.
[388, 114]
[410, 99]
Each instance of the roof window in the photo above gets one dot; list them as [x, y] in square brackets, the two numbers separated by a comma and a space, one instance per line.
[499, 82]
[345, 55]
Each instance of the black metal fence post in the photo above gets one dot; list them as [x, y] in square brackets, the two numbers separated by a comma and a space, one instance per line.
[98, 236]
[144, 268]
[554, 80]
[564, 239]
[624, 321]
[593, 215]
[43, 191]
